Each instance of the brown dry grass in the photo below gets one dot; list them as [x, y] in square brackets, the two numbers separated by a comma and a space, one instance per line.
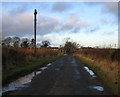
[17, 56]
[107, 61]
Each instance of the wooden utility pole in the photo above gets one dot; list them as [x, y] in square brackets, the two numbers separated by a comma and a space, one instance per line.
[35, 13]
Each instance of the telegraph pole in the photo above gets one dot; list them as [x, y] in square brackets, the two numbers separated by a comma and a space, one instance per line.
[35, 13]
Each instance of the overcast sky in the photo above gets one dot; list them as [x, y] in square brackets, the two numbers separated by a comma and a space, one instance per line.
[87, 23]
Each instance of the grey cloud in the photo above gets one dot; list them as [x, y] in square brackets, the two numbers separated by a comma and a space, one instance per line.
[48, 24]
[92, 29]
[110, 7]
[73, 24]
[19, 9]
[22, 24]
[69, 23]
[107, 7]
[61, 6]
[106, 20]
[76, 29]
[67, 27]
[17, 24]
[96, 28]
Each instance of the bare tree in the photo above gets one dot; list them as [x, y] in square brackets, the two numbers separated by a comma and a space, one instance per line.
[70, 47]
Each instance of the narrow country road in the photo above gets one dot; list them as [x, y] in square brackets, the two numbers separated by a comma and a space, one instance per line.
[66, 76]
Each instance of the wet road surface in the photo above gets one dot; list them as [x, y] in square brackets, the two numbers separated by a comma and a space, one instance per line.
[66, 76]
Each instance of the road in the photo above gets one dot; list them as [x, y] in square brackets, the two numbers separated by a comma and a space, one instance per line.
[66, 76]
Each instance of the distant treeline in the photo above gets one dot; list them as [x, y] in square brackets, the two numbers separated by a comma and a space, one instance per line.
[23, 42]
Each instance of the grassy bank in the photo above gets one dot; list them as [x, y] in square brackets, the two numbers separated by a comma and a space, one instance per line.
[17, 56]
[109, 77]
[21, 70]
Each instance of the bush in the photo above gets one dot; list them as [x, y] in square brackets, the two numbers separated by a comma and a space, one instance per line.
[115, 55]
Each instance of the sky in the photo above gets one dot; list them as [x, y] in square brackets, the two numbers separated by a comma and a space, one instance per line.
[87, 23]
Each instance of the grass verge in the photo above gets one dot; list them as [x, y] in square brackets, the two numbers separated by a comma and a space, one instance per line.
[16, 72]
[106, 78]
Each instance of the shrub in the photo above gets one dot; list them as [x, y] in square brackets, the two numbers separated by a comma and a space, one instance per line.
[115, 55]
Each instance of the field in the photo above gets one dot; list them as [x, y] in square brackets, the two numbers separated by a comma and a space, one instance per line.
[105, 63]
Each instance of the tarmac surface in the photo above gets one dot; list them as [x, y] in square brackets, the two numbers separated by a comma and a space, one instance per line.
[66, 76]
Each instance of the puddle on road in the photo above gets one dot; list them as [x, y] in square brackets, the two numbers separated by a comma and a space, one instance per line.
[43, 68]
[49, 64]
[90, 71]
[37, 72]
[98, 88]
[22, 82]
